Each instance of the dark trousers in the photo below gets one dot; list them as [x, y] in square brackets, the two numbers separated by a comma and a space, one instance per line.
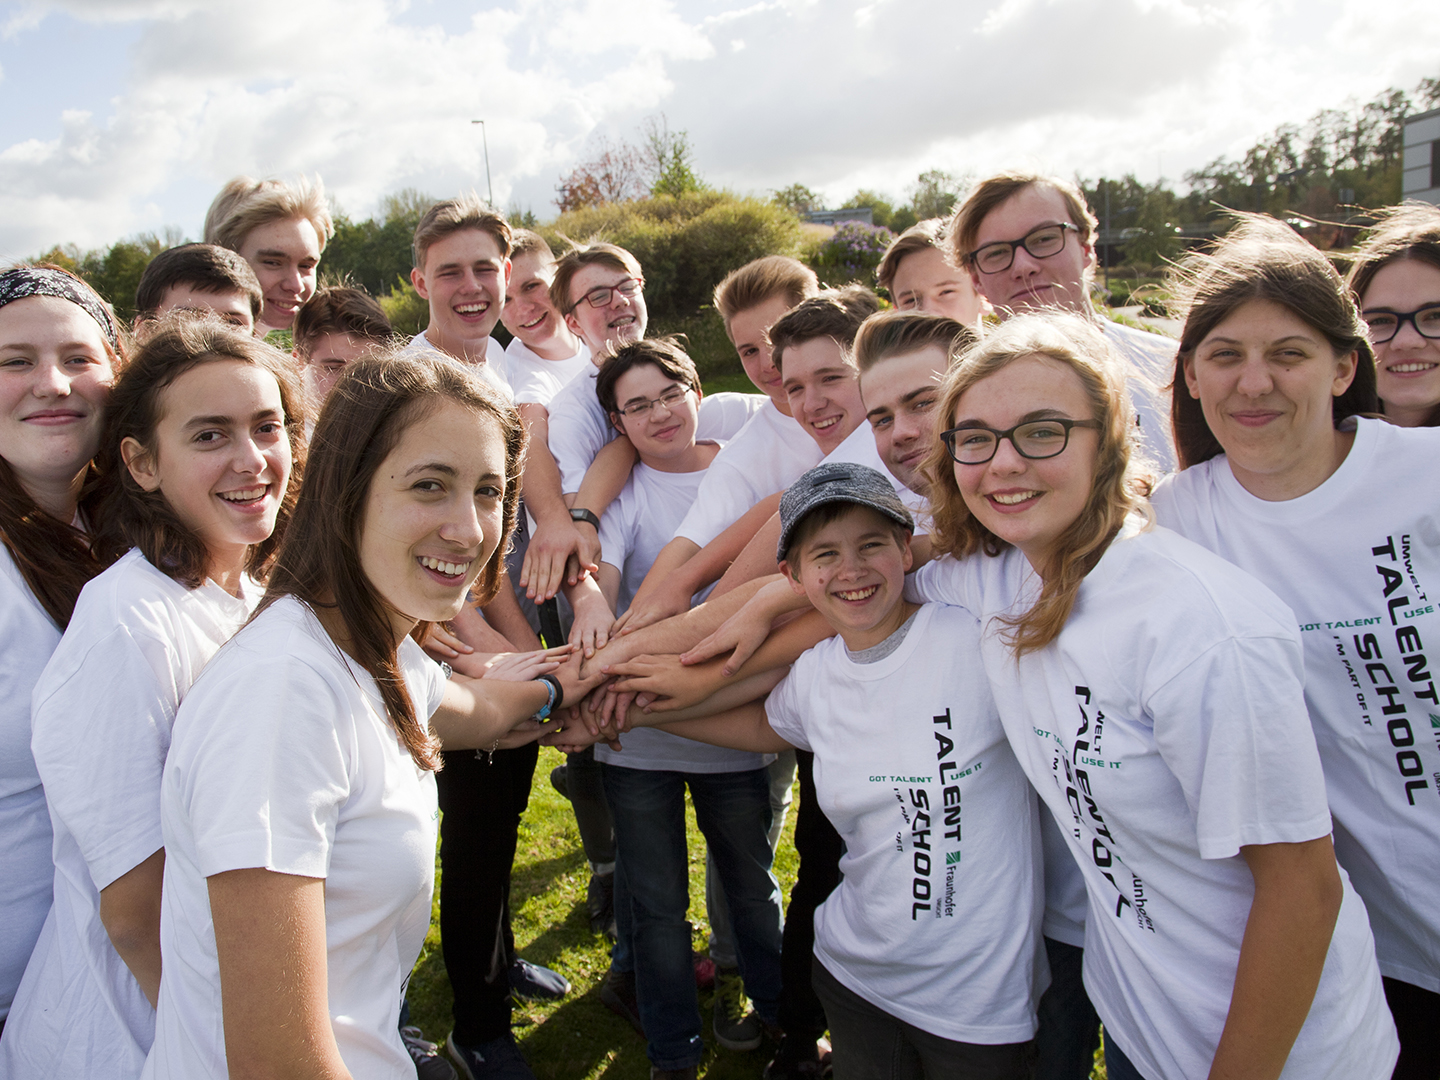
[1417, 1019]
[480, 802]
[1069, 1032]
[818, 847]
[870, 1044]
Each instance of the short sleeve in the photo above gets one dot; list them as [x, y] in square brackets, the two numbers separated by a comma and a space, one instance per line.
[615, 532]
[1233, 728]
[946, 581]
[264, 782]
[723, 415]
[783, 710]
[575, 436]
[424, 678]
[100, 739]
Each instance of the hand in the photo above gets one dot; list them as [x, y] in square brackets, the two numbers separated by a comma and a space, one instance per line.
[525, 666]
[666, 682]
[575, 682]
[593, 621]
[576, 733]
[740, 635]
[545, 559]
[661, 603]
[443, 644]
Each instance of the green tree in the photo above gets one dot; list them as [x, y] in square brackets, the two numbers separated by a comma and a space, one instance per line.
[798, 199]
[935, 194]
[373, 253]
[669, 156]
[882, 211]
[1156, 236]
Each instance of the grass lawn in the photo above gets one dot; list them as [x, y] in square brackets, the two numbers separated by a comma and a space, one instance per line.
[578, 1037]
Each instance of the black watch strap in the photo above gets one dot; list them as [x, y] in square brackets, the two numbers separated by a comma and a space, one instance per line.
[581, 514]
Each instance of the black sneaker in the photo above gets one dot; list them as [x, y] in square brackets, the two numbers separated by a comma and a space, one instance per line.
[600, 904]
[557, 780]
[531, 982]
[617, 993]
[429, 1065]
[735, 1023]
[498, 1059]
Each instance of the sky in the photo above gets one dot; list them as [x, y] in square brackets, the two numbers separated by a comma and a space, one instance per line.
[126, 116]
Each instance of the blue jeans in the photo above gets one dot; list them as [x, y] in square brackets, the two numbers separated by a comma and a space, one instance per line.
[733, 811]
[1069, 1031]
[1117, 1065]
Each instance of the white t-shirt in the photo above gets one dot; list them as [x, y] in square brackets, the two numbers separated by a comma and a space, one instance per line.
[859, 448]
[27, 638]
[1358, 559]
[1151, 360]
[102, 714]
[635, 527]
[492, 370]
[579, 428]
[936, 919]
[536, 380]
[284, 758]
[769, 454]
[1166, 728]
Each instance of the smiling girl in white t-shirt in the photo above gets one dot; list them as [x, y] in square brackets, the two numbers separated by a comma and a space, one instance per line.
[59, 350]
[1340, 516]
[199, 442]
[1153, 694]
[298, 801]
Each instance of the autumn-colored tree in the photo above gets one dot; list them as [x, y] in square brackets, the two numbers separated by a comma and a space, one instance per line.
[615, 174]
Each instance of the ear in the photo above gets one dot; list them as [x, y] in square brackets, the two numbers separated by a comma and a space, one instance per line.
[795, 586]
[509, 269]
[140, 462]
[1345, 369]
[975, 282]
[617, 421]
[418, 280]
[906, 554]
[573, 325]
[1191, 383]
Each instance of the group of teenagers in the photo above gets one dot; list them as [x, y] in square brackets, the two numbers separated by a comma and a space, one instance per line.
[1100, 658]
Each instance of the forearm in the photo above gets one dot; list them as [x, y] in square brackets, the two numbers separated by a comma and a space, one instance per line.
[504, 615]
[682, 631]
[756, 560]
[742, 728]
[606, 476]
[130, 913]
[1287, 935]
[670, 566]
[732, 695]
[475, 714]
[540, 481]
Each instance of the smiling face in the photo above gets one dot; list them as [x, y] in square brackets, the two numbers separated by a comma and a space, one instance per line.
[900, 393]
[433, 514]
[221, 458]
[528, 313]
[1266, 380]
[926, 281]
[664, 436]
[464, 280]
[1025, 502]
[1407, 367]
[284, 255]
[823, 391]
[618, 322]
[1030, 283]
[749, 330]
[55, 377]
[853, 571]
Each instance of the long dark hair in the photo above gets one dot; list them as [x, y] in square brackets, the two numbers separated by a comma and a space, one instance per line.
[130, 516]
[373, 404]
[54, 558]
[1262, 259]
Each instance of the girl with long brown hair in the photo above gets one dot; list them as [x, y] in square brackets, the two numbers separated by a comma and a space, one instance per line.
[299, 797]
[59, 351]
[1154, 696]
[1285, 476]
[198, 442]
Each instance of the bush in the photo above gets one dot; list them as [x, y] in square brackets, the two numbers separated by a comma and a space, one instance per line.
[852, 253]
[407, 311]
[685, 243]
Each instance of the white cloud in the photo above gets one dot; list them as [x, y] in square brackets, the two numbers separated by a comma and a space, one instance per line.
[375, 95]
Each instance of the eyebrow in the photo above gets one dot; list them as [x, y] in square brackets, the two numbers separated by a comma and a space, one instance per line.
[432, 466]
[1034, 414]
[25, 346]
[905, 399]
[1277, 341]
[223, 421]
[274, 253]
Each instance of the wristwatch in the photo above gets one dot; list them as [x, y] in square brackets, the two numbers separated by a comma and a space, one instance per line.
[581, 514]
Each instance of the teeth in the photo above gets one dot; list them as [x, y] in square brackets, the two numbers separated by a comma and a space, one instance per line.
[245, 495]
[1016, 497]
[471, 309]
[449, 569]
[532, 325]
[858, 594]
[821, 425]
[1406, 369]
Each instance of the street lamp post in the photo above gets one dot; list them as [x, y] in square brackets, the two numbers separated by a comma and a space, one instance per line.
[485, 142]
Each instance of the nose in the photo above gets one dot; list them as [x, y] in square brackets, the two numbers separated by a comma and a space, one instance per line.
[1407, 337]
[814, 398]
[463, 527]
[1255, 379]
[248, 457]
[50, 380]
[1007, 459]
[292, 281]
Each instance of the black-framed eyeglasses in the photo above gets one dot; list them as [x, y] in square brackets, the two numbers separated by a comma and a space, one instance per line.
[601, 295]
[1035, 439]
[1384, 325]
[671, 399]
[1041, 243]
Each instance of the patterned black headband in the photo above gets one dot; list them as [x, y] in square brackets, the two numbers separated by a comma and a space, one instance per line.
[25, 281]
